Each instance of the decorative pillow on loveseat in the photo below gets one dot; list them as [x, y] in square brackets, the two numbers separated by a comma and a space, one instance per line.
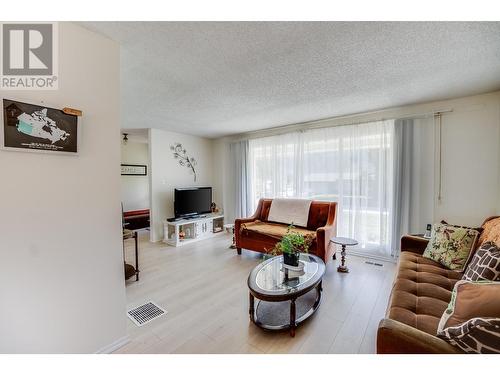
[485, 264]
[491, 231]
[451, 245]
[472, 319]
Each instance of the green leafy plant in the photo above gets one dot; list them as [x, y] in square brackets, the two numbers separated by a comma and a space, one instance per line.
[292, 242]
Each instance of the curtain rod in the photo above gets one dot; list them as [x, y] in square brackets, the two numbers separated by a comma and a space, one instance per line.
[318, 124]
[322, 123]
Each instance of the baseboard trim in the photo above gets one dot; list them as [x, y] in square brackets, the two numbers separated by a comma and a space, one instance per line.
[375, 257]
[115, 345]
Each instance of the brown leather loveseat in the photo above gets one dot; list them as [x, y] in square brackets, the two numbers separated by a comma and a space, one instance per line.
[420, 294]
[258, 234]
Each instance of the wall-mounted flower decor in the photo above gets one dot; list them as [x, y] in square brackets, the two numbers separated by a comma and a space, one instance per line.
[180, 154]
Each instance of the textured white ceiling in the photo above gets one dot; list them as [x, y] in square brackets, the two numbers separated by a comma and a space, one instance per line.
[213, 78]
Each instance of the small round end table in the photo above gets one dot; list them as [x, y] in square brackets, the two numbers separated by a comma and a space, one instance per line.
[343, 241]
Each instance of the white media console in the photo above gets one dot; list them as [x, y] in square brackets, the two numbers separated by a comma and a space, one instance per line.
[182, 232]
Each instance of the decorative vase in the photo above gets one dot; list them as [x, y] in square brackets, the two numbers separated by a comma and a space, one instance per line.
[291, 259]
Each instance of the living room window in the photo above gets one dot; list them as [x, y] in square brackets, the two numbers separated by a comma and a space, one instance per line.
[352, 165]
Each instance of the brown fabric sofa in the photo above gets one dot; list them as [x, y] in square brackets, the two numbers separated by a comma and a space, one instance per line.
[420, 294]
[257, 234]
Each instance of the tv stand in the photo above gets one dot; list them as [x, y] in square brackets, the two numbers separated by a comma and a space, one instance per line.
[191, 217]
[188, 230]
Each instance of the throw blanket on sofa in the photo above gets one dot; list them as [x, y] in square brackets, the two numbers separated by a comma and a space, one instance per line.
[290, 211]
[274, 230]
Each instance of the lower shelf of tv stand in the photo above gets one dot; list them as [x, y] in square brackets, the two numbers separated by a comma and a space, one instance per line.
[191, 240]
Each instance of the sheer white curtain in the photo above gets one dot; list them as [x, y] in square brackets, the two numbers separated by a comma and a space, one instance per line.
[238, 152]
[413, 177]
[274, 167]
[403, 180]
[352, 165]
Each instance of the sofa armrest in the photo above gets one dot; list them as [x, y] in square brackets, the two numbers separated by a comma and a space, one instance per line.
[323, 235]
[239, 222]
[330, 226]
[394, 337]
[414, 244]
[326, 232]
[250, 219]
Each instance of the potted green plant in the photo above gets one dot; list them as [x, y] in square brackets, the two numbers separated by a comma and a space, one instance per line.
[291, 245]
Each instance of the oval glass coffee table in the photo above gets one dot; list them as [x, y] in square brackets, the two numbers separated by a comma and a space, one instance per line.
[285, 298]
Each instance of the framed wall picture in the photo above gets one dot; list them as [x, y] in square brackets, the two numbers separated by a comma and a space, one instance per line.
[33, 127]
[134, 170]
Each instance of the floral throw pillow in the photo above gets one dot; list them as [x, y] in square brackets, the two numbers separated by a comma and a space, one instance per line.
[451, 246]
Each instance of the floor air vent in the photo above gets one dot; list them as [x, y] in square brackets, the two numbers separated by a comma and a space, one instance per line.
[145, 313]
[375, 264]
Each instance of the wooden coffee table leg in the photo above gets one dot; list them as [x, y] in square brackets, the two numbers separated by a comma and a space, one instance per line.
[292, 318]
[251, 309]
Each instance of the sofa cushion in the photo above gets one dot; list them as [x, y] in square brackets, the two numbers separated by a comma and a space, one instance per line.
[318, 214]
[472, 318]
[451, 245]
[264, 235]
[485, 264]
[491, 231]
[476, 335]
[421, 292]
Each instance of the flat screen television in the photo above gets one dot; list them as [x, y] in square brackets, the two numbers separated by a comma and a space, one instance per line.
[192, 201]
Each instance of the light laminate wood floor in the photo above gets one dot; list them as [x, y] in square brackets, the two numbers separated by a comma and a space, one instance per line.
[203, 286]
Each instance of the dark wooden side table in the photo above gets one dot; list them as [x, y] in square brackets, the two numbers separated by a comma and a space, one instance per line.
[343, 241]
[129, 269]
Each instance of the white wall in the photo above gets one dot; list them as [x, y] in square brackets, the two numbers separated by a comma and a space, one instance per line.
[471, 167]
[219, 182]
[135, 189]
[167, 174]
[422, 177]
[470, 158]
[62, 286]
